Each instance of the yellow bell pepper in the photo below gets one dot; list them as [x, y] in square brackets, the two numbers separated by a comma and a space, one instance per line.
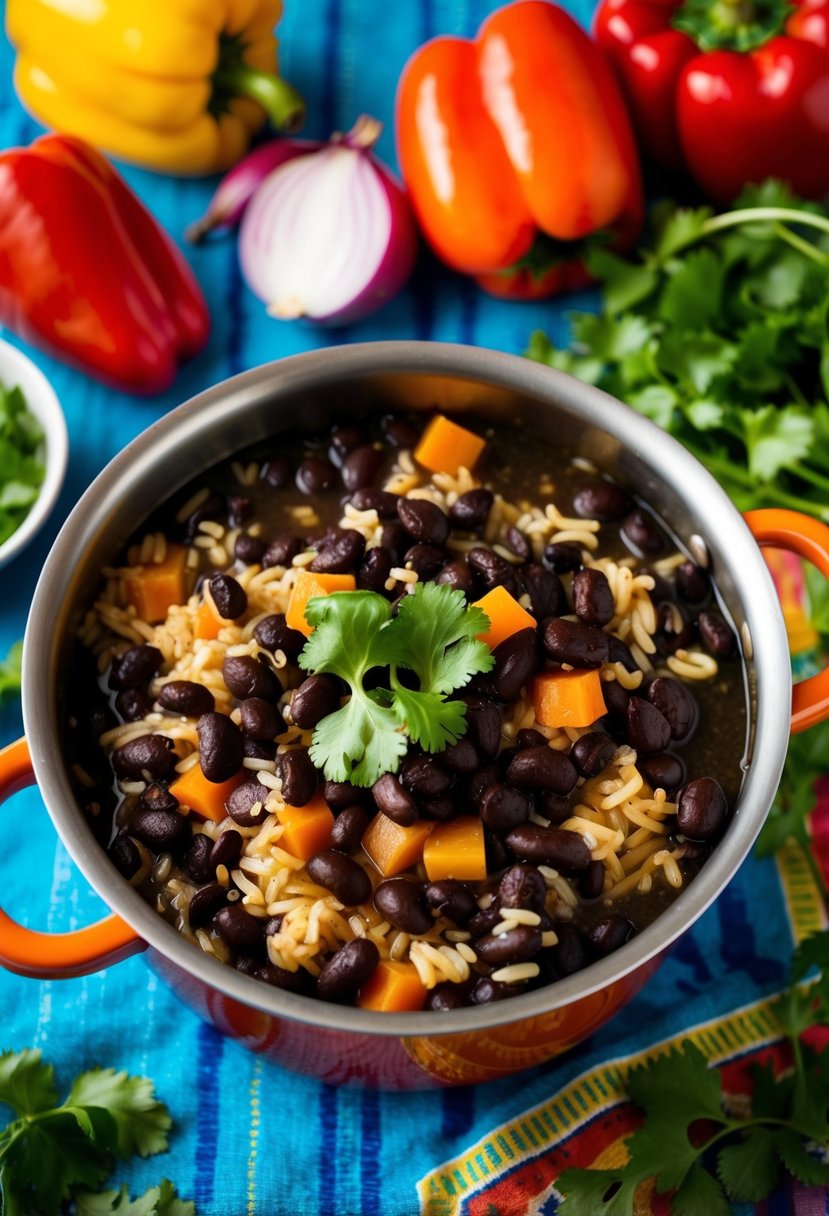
[179, 87]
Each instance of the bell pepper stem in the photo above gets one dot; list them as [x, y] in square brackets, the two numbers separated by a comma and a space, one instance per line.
[280, 100]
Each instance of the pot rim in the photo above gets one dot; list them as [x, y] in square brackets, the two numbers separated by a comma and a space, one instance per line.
[654, 447]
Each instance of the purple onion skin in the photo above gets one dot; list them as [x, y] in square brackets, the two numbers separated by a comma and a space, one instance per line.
[239, 184]
[398, 261]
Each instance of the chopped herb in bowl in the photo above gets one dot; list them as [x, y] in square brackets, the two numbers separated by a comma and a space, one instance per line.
[21, 460]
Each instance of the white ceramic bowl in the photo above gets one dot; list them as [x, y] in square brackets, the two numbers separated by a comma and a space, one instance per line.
[17, 369]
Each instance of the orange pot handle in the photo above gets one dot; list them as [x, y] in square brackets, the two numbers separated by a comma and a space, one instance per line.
[809, 539]
[55, 955]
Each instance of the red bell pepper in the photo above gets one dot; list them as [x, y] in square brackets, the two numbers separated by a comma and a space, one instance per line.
[88, 274]
[515, 147]
[733, 90]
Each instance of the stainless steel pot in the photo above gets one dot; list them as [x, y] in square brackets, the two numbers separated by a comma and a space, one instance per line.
[345, 1044]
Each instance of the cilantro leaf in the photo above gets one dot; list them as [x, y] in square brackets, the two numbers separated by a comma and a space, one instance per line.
[435, 635]
[678, 228]
[749, 1169]
[40, 1163]
[775, 439]
[797, 1159]
[429, 718]
[700, 1192]
[21, 464]
[27, 1085]
[157, 1201]
[347, 625]
[142, 1121]
[359, 742]
[10, 671]
[597, 1192]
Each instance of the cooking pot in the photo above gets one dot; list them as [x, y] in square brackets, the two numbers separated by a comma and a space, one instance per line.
[345, 1045]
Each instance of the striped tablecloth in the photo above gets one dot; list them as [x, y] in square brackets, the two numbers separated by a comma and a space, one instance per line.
[250, 1138]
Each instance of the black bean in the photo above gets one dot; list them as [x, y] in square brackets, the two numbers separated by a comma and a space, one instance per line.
[461, 757]
[451, 898]
[523, 887]
[591, 882]
[619, 652]
[157, 798]
[381, 501]
[565, 851]
[147, 753]
[162, 831]
[259, 719]
[403, 903]
[479, 783]
[361, 466]
[487, 990]
[229, 597]
[249, 549]
[396, 539]
[135, 667]
[425, 560]
[239, 930]
[205, 904]
[575, 643]
[592, 753]
[519, 544]
[563, 556]
[272, 634]
[220, 747]
[341, 875]
[484, 920]
[133, 704]
[186, 697]
[258, 749]
[542, 768]
[528, 737]
[247, 677]
[340, 557]
[344, 438]
[298, 981]
[692, 582]
[555, 807]
[675, 629]
[315, 475]
[315, 699]
[663, 771]
[484, 725]
[399, 432]
[641, 531]
[394, 801]
[609, 934]
[239, 508]
[457, 575]
[424, 776]
[592, 597]
[299, 777]
[374, 571]
[517, 659]
[446, 996]
[442, 809]
[470, 511]
[602, 500]
[125, 855]
[278, 472]
[514, 946]
[340, 794]
[647, 729]
[323, 537]
[282, 551]
[493, 570]
[212, 507]
[347, 970]
[227, 849]
[568, 955]
[248, 966]
[676, 703]
[246, 804]
[197, 858]
[715, 634]
[616, 698]
[701, 809]
[503, 808]
[349, 828]
[423, 520]
[546, 592]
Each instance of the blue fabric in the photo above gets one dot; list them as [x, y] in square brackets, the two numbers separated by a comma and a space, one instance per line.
[250, 1137]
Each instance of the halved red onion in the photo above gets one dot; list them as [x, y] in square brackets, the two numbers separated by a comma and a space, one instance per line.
[329, 235]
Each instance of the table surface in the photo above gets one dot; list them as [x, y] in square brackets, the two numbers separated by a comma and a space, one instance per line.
[239, 1145]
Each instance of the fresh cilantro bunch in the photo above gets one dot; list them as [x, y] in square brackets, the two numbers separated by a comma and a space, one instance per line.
[433, 637]
[717, 331]
[692, 1145]
[10, 671]
[21, 466]
[51, 1153]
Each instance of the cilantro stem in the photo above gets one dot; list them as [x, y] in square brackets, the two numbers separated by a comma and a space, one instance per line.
[727, 471]
[756, 215]
[810, 475]
[801, 245]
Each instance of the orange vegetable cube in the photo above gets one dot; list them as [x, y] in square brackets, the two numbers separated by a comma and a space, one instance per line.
[446, 447]
[306, 587]
[392, 988]
[393, 848]
[456, 850]
[506, 616]
[207, 624]
[568, 698]
[152, 590]
[307, 828]
[203, 797]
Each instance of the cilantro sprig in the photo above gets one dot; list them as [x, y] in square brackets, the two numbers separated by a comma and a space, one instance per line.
[717, 331]
[692, 1145]
[433, 636]
[52, 1152]
[21, 465]
[11, 669]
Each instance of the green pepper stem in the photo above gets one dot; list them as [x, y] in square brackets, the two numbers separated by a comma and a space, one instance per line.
[280, 100]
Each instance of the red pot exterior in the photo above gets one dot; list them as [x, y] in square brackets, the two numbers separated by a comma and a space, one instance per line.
[342, 1057]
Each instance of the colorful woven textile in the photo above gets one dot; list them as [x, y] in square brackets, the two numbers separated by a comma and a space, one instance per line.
[250, 1138]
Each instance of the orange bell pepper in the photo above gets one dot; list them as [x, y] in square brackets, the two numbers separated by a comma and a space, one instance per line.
[515, 147]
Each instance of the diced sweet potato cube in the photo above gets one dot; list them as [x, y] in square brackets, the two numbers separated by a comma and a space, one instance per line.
[153, 589]
[307, 587]
[456, 850]
[446, 447]
[307, 828]
[203, 797]
[506, 616]
[568, 698]
[393, 848]
[392, 988]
